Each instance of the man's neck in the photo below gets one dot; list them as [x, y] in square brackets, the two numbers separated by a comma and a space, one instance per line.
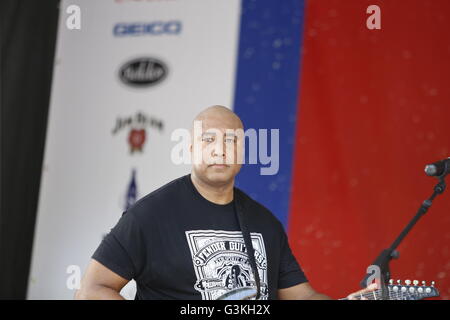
[222, 194]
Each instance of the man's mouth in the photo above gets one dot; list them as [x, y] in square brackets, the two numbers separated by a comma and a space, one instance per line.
[219, 165]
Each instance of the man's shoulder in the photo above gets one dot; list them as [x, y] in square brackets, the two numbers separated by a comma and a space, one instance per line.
[255, 208]
[164, 196]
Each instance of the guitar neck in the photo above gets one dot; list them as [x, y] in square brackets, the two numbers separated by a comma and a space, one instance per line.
[398, 293]
[373, 295]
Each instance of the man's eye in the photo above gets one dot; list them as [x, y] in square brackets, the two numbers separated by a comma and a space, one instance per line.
[207, 139]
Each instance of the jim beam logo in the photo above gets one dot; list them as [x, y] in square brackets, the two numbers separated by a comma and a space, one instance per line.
[221, 262]
[137, 126]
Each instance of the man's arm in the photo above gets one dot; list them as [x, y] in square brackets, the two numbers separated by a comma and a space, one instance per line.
[302, 291]
[100, 283]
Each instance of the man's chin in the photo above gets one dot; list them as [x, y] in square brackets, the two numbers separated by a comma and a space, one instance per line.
[219, 175]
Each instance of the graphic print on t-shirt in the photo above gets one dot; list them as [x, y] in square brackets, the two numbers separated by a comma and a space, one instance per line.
[221, 262]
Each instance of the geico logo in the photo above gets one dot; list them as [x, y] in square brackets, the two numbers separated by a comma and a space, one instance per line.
[153, 28]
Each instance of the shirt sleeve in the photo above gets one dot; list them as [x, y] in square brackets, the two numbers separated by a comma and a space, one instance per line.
[290, 273]
[122, 249]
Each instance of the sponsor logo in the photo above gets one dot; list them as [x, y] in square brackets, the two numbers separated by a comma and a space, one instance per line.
[136, 139]
[131, 195]
[143, 72]
[137, 126]
[155, 28]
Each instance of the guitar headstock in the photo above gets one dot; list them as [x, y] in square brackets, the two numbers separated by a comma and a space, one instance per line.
[411, 290]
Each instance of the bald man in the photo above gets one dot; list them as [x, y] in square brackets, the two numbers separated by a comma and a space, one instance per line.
[191, 238]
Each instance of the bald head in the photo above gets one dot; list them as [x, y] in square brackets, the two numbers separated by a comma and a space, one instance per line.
[216, 146]
[220, 114]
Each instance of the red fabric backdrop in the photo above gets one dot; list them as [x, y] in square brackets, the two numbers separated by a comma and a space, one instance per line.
[374, 108]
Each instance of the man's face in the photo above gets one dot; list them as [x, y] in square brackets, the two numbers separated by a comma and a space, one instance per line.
[217, 149]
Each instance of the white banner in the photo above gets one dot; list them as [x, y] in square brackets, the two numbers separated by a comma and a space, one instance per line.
[133, 73]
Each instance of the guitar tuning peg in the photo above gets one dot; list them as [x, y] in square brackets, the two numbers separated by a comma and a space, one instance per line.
[415, 282]
[408, 282]
[399, 282]
[424, 283]
[432, 283]
[391, 281]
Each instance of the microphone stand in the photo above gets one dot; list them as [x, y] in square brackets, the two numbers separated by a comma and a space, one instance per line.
[382, 261]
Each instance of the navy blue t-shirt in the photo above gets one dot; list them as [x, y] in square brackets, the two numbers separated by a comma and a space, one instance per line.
[178, 245]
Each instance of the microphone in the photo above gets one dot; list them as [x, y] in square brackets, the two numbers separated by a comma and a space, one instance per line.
[438, 168]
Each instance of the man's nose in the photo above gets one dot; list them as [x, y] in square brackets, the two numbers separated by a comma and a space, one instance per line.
[219, 149]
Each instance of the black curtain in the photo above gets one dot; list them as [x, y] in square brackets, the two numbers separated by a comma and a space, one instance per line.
[28, 36]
